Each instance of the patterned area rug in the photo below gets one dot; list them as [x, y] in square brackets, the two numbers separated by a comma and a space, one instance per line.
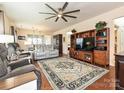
[70, 74]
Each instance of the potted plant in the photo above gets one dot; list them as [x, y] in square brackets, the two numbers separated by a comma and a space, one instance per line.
[100, 25]
[73, 31]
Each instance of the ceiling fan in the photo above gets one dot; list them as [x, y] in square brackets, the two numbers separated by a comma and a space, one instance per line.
[60, 13]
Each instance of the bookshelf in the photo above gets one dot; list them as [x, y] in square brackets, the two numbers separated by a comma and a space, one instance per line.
[100, 53]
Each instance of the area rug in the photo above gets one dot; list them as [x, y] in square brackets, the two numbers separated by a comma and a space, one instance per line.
[70, 74]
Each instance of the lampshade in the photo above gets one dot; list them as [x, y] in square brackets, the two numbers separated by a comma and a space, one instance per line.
[6, 39]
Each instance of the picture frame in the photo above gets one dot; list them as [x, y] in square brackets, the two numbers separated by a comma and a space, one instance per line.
[21, 38]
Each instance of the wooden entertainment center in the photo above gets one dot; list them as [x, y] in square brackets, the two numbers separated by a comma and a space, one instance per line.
[95, 48]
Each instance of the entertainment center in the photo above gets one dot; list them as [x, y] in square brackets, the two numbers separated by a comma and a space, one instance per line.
[91, 46]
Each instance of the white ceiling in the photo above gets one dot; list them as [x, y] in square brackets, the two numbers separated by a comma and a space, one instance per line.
[26, 15]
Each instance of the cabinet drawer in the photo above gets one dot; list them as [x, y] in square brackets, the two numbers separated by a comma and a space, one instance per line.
[99, 61]
[100, 55]
[80, 56]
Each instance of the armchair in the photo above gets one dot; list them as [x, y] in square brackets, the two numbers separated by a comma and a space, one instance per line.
[14, 53]
[8, 70]
[14, 49]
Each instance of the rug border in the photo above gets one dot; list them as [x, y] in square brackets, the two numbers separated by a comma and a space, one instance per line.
[48, 78]
[81, 87]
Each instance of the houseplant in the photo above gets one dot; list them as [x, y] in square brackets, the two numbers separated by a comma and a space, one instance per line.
[73, 31]
[100, 25]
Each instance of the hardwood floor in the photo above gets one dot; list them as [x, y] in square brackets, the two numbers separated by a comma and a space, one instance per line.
[107, 82]
[16, 81]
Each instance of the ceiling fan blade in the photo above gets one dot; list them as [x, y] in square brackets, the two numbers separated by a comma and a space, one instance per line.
[64, 19]
[50, 17]
[70, 16]
[71, 11]
[64, 6]
[51, 8]
[47, 13]
[56, 19]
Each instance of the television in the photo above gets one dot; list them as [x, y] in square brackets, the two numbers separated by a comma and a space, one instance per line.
[87, 43]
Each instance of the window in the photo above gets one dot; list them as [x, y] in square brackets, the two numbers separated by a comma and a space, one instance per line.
[39, 39]
[47, 39]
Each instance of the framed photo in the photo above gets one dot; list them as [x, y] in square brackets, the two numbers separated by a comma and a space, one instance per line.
[21, 38]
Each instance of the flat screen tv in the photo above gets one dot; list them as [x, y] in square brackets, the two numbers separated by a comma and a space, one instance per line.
[89, 43]
[85, 43]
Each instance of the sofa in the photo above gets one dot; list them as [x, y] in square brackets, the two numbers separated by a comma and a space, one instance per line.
[45, 51]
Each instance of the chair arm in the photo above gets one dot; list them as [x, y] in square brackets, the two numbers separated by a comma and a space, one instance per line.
[20, 60]
[16, 64]
[26, 53]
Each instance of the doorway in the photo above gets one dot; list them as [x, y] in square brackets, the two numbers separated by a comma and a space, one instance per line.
[119, 34]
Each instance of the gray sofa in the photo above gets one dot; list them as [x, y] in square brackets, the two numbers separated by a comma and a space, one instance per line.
[45, 51]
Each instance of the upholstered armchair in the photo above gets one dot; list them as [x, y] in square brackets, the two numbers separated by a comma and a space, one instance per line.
[14, 49]
[8, 69]
[14, 53]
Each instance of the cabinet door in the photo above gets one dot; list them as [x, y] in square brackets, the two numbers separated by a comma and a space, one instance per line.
[80, 55]
[100, 57]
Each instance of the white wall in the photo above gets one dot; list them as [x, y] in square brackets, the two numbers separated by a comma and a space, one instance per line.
[90, 24]
[7, 22]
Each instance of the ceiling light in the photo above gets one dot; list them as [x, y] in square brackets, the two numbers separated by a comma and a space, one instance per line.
[59, 15]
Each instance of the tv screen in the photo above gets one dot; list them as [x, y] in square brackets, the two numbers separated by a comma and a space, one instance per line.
[79, 43]
[89, 43]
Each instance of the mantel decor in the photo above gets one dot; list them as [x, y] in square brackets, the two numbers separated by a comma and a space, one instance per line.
[100, 25]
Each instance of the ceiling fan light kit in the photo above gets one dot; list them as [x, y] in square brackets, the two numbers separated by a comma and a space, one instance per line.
[60, 13]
